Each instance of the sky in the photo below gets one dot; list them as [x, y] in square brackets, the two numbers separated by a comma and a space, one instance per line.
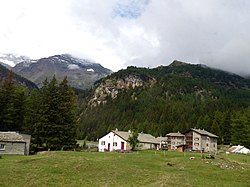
[120, 33]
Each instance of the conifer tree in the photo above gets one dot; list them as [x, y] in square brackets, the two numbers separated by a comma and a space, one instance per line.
[52, 119]
[11, 105]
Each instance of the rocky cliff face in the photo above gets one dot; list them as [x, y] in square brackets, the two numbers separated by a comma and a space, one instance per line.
[113, 86]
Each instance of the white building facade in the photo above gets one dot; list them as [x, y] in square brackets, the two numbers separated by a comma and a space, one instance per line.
[112, 142]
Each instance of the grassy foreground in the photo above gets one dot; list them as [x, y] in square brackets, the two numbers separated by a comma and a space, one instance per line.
[144, 168]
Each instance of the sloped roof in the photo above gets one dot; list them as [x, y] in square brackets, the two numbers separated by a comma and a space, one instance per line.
[162, 139]
[11, 137]
[238, 149]
[142, 137]
[204, 132]
[175, 134]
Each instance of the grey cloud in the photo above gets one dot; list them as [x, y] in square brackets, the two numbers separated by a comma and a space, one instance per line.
[211, 32]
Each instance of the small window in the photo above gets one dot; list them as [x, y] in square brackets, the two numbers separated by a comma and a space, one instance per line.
[207, 144]
[115, 144]
[196, 138]
[173, 143]
[2, 146]
[103, 143]
[196, 144]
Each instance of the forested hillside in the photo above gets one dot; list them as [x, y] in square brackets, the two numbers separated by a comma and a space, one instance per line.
[168, 98]
[48, 114]
[156, 101]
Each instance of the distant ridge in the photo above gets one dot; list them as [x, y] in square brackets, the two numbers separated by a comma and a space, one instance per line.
[16, 78]
[81, 73]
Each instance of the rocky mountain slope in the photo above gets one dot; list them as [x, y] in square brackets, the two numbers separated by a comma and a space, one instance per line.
[10, 60]
[17, 78]
[138, 77]
[81, 73]
[164, 99]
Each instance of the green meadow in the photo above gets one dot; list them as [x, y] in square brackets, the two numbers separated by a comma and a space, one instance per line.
[142, 168]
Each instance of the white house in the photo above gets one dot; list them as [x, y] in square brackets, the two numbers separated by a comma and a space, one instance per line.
[117, 140]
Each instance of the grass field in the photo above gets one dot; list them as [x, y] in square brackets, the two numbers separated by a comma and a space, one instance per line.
[144, 168]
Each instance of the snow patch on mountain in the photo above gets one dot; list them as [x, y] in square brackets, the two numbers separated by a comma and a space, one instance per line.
[13, 59]
[73, 66]
[8, 62]
[90, 70]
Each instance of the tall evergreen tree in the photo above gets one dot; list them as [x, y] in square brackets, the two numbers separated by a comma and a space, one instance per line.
[54, 122]
[241, 128]
[12, 99]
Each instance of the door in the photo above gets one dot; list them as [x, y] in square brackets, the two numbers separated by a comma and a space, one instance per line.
[108, 146]
[122, 146]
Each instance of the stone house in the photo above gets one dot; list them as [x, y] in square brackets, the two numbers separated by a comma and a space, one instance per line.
[118, 141]
[200, 140]
[174, 140]
[14, 143]
[193, 140]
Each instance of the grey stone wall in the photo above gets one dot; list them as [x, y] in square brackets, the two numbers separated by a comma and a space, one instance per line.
[26, 138]
[13, 148]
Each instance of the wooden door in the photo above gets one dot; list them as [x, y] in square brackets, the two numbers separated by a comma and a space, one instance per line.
[122, 146]
[108, 146]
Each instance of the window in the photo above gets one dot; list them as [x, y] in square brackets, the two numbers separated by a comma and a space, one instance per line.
[115, 144]
[196, 144]
[196, 138]
[173, 143]
[2, 146]
[103, 143]
[207, 144]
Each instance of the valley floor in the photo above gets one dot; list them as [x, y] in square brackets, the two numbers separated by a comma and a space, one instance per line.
[143, 168]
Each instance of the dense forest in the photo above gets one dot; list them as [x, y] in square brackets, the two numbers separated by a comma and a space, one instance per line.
[168, 99]
[47, 114]
[182, 96]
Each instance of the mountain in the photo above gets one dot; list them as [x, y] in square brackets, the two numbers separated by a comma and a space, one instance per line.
[81, 73]
[165, 99]
[10, 60]
[16, 78]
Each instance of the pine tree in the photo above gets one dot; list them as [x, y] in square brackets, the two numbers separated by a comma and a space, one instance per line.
[67, 111]
[51, 117]
[241, 128]
[12, 99]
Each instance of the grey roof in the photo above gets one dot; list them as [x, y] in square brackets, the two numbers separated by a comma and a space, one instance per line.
[175, 134]
[11, 137]
[204, 132]
[162, 138]
[142, 137]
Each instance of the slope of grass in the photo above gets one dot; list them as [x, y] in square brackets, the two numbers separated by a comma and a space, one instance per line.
[145, 168]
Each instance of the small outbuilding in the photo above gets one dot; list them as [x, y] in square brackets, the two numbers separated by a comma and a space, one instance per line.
[181, 148]
[238, 149]
[14, 143]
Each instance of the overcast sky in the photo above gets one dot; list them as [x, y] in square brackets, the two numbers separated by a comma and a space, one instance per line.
[118, 33]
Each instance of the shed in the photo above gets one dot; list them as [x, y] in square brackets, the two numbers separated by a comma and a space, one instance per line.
[14, 143]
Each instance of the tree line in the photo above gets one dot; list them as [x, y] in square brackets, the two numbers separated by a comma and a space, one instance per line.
[177, 102]
[48, 114]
